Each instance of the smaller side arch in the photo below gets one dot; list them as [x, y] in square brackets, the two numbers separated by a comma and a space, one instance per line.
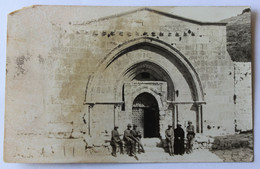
[145, 114]
[162, 104]
[129, 99]
[145, 90]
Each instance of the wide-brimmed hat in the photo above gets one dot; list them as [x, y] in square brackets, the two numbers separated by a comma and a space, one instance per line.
[134, 125]
[169, 125]
[129, 125]
[189, 122]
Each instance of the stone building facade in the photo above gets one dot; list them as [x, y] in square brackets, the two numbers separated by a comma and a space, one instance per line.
[145, 67]
[181, 64]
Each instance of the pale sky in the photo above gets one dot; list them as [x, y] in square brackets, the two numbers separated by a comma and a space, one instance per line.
[208, 14]
[205, 14]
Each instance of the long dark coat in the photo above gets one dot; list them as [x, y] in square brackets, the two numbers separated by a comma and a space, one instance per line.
[179, 141]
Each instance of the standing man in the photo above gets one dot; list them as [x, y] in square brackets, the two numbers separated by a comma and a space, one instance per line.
[115, 140]
[169, 134]
[137, 138]
[190, 137]
[129, 140]
[179, 140]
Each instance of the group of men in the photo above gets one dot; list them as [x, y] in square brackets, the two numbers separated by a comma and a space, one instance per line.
[175, 139]
[132, 138]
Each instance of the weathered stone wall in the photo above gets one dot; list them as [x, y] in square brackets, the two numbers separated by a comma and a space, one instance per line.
[56, 58]
[243, 96]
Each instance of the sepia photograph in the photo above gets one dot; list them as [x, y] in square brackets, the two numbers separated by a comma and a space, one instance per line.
[89, 84]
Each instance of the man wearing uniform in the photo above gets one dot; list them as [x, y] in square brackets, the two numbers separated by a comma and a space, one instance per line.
[115, 140]
[129, 141]
[137, 138]
[190, 137]
[169, 134]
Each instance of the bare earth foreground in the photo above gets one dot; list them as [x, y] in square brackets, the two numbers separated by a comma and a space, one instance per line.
[235, 155]
[231, 148]
[158, 155]
[235, 148]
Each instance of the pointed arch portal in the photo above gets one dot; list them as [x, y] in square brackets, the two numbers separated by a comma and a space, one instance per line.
[152, 78]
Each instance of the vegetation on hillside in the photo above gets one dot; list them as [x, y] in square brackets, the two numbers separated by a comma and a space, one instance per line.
[239, 36]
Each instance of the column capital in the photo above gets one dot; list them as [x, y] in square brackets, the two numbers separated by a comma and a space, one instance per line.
[90, 105]
[117, 105]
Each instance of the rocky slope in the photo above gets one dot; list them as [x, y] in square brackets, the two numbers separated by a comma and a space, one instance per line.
[239, 36]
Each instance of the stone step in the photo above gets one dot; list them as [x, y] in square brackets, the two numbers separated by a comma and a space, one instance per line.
[151, 142]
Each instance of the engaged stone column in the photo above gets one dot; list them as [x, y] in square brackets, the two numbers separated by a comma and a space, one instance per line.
[175, 116]
[199, 119]
[90, 106]
[117, 108]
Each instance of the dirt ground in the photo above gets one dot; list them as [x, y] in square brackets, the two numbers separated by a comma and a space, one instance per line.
[153, 153]
[157, 154]
[235, 155]
[235, 148]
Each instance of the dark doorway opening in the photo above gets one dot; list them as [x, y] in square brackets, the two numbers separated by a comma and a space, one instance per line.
[146, 115]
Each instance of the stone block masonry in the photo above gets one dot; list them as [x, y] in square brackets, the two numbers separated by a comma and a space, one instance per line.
[73, 79]
[243, 96]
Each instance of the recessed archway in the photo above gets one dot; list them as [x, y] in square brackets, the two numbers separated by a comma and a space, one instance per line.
[145, 114]
[125, 65]
[150, 71]
[155, 45]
